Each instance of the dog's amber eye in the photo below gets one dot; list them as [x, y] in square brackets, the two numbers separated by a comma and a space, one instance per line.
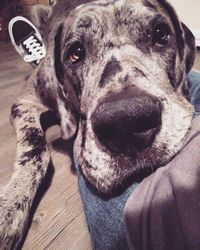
[161, 34]
[76, 52]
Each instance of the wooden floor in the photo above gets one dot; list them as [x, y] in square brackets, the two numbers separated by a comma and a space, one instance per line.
[58, 222]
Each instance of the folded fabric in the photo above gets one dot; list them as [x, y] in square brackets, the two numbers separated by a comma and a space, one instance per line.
[163, 212]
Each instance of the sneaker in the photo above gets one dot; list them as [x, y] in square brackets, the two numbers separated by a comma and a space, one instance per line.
[27, 40]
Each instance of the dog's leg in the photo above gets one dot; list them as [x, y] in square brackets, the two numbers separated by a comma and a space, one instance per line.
[32, 160]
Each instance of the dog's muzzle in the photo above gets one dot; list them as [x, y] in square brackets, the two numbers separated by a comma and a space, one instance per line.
[127, 122]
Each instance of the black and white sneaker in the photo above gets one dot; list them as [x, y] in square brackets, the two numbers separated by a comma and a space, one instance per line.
[26, 40]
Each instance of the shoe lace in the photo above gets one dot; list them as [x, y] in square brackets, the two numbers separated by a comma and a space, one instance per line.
[36, 49]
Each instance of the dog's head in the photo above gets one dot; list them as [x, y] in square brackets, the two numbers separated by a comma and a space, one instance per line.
[116, 71]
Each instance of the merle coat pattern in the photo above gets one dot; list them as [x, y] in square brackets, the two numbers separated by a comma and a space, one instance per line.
[122, 99]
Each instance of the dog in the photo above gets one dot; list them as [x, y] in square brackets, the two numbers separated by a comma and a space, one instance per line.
[115, 75]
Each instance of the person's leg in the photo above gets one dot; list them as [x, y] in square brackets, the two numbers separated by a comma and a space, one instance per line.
[194, 90]
[104, 215]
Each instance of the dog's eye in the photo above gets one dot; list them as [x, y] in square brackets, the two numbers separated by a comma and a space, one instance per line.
[161, 34]
[76, 52]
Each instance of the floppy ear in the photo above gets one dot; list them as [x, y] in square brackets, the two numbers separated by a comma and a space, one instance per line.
[39, 16]
[50, 87]
[189, 47]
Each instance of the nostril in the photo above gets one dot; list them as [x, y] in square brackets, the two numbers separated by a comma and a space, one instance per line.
[148, 121]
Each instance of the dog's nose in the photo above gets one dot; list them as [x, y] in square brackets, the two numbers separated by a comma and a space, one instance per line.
[127, 124]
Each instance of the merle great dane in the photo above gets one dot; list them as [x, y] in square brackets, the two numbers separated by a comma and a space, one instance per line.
[115, 75]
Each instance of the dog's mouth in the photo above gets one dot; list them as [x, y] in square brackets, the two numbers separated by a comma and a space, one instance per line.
[127, 124]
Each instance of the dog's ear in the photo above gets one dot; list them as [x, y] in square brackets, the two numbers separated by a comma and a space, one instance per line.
[50, 87]
[189, 47]
[39, 16]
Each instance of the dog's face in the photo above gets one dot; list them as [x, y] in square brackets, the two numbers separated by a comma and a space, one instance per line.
[122, 67]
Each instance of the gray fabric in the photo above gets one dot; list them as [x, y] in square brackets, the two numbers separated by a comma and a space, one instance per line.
[163, 212]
